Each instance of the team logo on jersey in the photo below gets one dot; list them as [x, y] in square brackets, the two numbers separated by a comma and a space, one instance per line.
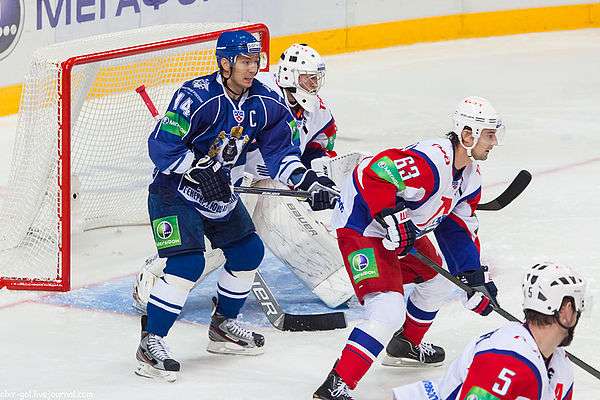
[363, 265]
[200, 84]
[166, 232]
[238, 115]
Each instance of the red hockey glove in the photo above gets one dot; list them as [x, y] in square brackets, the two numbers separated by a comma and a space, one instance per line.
[483, 298]
[401, 231]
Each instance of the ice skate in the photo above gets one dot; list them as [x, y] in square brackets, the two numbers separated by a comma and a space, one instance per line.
[334, 388]
[402, 353]
[154, 360]
[227, 336]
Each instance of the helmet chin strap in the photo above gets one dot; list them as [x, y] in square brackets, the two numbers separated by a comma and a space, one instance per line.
[570, 330]
[225, 80]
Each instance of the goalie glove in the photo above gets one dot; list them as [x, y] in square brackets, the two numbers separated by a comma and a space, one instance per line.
[483, 299]
[211, 178]
[323, 191]
[401, 231]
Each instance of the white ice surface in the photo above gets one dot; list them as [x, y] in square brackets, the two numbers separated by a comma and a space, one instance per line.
[547, 87]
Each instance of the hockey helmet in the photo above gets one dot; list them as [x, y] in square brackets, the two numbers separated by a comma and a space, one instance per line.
[301, 71]
[546, 285]
[231, 44]
[477, 114]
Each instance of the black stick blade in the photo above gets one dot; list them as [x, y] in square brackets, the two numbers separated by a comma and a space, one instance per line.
[314, 322]
[513, 190]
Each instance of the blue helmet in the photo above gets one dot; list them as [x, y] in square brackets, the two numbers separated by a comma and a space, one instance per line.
[230, 44]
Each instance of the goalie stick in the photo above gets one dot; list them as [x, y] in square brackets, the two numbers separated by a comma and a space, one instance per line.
[469, 290]
[293, 322]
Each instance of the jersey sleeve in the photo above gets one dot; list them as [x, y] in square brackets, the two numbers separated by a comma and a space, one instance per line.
[321, 145]
[501, 375]
[275, 141]
[393, 174]
[457, 235]
[170, 143]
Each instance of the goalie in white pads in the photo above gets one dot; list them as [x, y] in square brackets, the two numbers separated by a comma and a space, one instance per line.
[295, 234]
[518, 361]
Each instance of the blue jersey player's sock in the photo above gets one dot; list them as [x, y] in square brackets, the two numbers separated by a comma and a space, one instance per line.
[166, 301]
[243, 258]
[232, 290]
[170, 292]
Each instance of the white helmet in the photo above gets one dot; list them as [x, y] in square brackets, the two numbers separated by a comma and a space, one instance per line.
[545, 286]
[478, 114]
[300, 59]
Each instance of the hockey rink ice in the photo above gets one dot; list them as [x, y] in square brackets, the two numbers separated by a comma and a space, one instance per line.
[546, 86]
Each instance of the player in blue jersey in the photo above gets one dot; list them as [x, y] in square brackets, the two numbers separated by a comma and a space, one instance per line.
[199, 150]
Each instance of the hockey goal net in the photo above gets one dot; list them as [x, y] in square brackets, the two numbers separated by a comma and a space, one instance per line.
[81, 141]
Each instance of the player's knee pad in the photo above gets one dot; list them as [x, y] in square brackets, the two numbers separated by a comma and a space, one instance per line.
[244, 255]
[432, 294]
[386, 313]
[187, 266]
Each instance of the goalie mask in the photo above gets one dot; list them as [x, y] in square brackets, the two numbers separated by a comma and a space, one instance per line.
[301, 71]
[477, 114]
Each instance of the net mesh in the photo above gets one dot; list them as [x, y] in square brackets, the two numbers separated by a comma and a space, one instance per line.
[110, 168]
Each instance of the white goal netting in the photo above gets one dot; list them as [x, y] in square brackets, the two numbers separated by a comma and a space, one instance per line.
[109, 125]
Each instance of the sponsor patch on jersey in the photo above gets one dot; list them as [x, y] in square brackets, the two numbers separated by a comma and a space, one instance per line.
[478, 393]
[363, 265]
[386, 169]
[238, 115]
[175, 124]
[295, 131]
[166, 232]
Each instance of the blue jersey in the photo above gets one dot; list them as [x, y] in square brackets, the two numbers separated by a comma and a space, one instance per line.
[202, 120]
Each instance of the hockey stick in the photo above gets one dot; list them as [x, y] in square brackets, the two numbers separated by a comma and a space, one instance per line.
[429, 262]
[516, 187]
[513, 190]
[293, 322]
[299, 194]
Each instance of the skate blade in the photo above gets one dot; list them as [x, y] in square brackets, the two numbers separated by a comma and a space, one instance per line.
[147, 371]
[232, 348]
[400, 362]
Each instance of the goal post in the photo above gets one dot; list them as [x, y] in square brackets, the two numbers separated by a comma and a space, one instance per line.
[80, 158]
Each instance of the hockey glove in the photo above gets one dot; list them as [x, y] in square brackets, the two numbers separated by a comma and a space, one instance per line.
[483, 299]
[401, 231]
[323, 191]
[211, 179]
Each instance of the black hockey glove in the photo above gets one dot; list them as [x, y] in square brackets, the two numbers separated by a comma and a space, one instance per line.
[211, 179]
[323, 190]
[483, 298]
[401, 231]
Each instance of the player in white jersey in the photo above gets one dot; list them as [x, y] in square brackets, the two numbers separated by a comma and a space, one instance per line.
[315, 258]
[388, 205]
[518, 361]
